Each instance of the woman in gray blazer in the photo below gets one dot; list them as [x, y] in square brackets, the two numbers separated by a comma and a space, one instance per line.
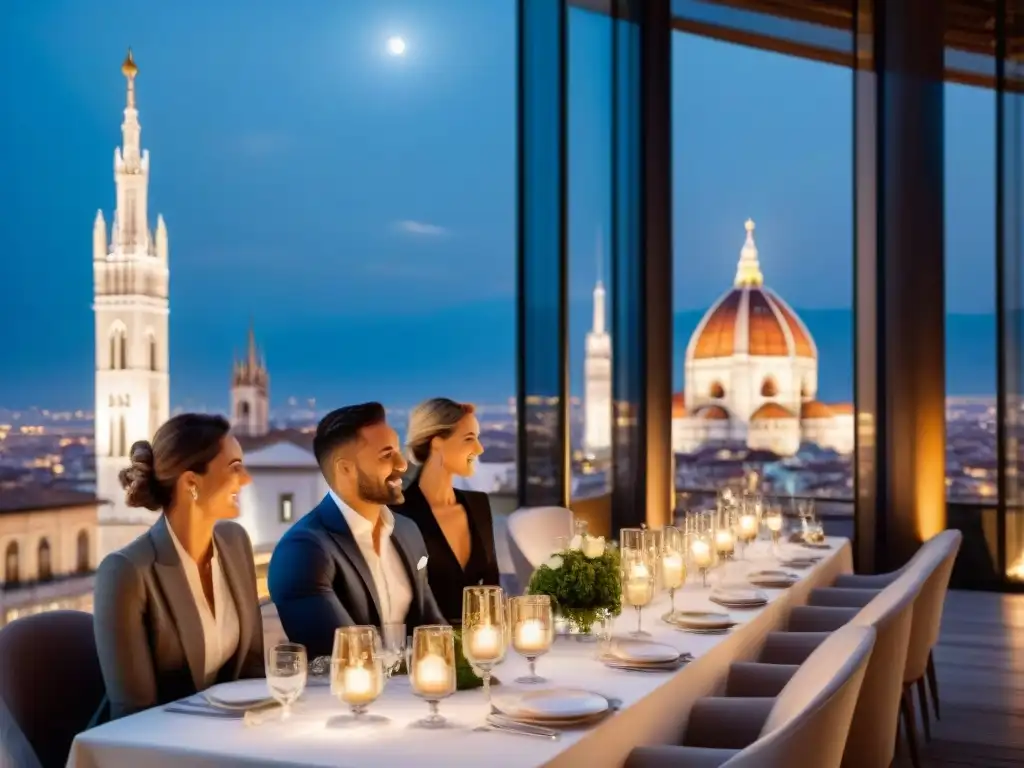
[176, 610]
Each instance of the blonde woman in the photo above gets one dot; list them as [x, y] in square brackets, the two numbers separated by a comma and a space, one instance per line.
[444, 440]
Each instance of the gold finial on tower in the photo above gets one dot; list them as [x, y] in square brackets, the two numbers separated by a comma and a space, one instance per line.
[129, 68]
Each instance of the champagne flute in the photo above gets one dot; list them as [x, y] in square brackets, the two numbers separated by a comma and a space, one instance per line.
[637, 573]
[673, 565]
[286, 674]
[484, 632]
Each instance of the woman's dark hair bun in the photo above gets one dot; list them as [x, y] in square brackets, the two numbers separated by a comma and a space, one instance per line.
[139, 479]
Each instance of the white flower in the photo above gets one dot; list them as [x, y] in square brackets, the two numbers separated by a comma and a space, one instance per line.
[593, 546]
[554, 562]
[576, 542]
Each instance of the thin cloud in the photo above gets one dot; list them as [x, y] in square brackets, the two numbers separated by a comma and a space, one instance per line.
[421, 228]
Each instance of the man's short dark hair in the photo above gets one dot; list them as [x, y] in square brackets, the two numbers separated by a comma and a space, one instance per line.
[342, 426]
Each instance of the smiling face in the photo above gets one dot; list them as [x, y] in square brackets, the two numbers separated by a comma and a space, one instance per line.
[459, 451]
[218, 488]
[371, 468]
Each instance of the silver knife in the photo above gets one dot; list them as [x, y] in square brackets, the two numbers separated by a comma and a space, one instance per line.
[180, 709]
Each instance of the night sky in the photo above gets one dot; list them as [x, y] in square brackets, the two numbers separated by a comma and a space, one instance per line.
[361, 207]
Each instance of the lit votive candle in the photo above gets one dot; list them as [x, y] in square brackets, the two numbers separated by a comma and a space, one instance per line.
[774, 523]
[485, 644]
[701, 554]
[724, 542]
[531, 636]
[433, 676]
[748, 526]
[359, 687]
[672, 570]
[639, 571]
[638, 591]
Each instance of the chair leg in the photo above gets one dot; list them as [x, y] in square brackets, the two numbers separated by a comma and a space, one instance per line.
[933, 684]
[922, 698]
[910, 724]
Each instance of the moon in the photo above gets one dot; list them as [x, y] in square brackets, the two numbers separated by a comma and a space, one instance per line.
[396, 46]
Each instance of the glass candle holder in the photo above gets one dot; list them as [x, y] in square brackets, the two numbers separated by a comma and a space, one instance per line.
[774, 522]
[357, 673]
[702, 555]
[725, 543]
[746, 527]
[673, 564]
[431, 661]
[484, 630]
[637, 573]
[532, 628]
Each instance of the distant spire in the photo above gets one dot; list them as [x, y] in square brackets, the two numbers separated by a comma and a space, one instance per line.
[599, 310]
[129, 69]
[130, 128]
[253, 357]
[748, 271]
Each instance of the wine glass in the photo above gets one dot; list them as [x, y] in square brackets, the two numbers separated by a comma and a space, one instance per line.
[286, 674]
[357, 674]
[430, 659]
[484, 632]
[673, 564]
[774, 521]
[393, 639]
[532, 631]
[637, 570]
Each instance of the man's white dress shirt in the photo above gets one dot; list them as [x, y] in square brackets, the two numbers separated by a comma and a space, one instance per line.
[394, 591]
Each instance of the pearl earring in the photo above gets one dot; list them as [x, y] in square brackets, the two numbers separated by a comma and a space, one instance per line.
[195, 493]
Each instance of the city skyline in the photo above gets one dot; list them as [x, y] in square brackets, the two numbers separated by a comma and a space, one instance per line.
[421, 202]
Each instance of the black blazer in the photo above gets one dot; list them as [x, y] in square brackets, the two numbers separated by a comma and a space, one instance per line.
[319, 579]
[148, 633]
[446, 575]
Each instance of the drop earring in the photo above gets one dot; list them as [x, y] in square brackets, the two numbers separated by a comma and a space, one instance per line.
[195, 493]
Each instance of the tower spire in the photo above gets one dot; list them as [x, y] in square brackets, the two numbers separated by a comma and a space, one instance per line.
[130, 128]
[599, 311]
[748, 270]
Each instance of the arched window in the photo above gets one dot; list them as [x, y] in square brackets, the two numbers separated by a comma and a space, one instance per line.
[152, 352]
[113, 437]
[83, 552]
[768, 387]
[118, 347]
[122, 438]
[12, 572]
[243, 409]
[45, 567]
[717, 391]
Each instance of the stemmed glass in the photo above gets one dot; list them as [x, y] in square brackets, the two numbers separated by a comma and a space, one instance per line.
[746, 525]
[637, 573]
[673, 564]
[286, 674]
[357, 674]
[430, 659]
[532, 628]
[393, 639]
[484, 631]
[702, 555]
[773, 521]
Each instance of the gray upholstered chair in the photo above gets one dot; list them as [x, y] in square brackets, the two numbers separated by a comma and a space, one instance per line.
[854, 590]
[531, 537]
[873, 731]
[50, 680]
[805, 725]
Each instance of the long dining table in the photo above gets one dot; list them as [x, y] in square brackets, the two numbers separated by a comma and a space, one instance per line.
[653, 706]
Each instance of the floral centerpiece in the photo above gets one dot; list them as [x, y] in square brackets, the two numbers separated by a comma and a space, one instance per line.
[582, 581]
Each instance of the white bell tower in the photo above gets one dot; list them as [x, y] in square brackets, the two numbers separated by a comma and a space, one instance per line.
[250, 392]
[597, 376]
[131, 309]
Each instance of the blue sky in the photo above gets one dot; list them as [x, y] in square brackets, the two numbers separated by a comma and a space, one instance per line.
[361, 207]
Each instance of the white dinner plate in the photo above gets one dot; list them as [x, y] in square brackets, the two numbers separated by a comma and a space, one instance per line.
[241, 693]
[736, 596]
[552, 704]
[703, 620]
[645, 653]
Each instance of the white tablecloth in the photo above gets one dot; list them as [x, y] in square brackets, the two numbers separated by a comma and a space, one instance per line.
[655, 706]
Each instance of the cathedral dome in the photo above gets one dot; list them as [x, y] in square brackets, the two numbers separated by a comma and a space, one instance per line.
[713, 413]
[678, 405]
[813, 409]
[770, 411]
[750, 319]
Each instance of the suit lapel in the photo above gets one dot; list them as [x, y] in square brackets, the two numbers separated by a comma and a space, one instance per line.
[236, 572]
[171, 575]
[334, 521]
[402, 547]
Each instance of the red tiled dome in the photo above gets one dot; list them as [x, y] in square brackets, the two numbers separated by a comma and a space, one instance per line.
[812, 409]
[713, 413]
[771, 411]
[678, 405]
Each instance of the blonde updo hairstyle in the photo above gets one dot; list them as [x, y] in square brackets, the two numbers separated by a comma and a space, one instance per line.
[186, 443]
[437, 417]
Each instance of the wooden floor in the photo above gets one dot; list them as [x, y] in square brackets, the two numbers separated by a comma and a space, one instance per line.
[980, 666]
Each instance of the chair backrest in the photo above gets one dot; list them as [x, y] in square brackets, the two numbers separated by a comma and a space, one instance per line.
[872, 738]
[810, 719]
[50, 680]
[532, 532]
[936, 564]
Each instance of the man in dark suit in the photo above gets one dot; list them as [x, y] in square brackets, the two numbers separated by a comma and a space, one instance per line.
[350, 561]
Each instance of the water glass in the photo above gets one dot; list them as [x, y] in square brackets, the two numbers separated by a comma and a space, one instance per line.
[286, 674]
[392, 653]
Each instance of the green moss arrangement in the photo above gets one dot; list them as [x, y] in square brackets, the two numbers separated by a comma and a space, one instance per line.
[465, 678]
[581, 588]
